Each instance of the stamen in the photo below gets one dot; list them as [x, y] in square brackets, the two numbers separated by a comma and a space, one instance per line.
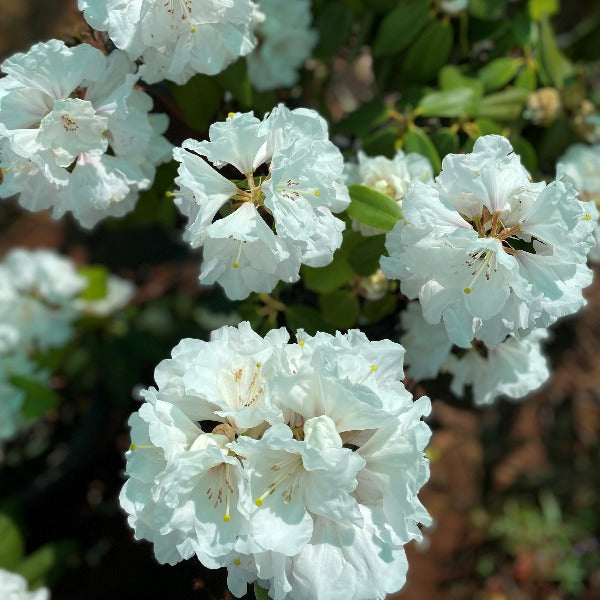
[484, 264]
[291, 487]
[237, 562]
[371, 371]
[236, 264]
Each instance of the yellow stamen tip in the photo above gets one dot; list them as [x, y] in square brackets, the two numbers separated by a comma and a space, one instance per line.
[258, 365]
[133, 446]
[193, 30]
[301, 343]
[373, 367]
[237, 562]
[587, 218]
[258, 502]
[236, 265]
[230, 115]
[227, 518]
[405, 223]
[317, 192]
[169, 194]
[467, 290]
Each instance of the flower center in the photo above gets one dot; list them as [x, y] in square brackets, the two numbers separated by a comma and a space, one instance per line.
[289, 479]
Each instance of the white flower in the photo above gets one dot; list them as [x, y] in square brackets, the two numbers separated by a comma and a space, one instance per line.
[316, 460]
[285, 41]
[513, 368]
[14, 587]
[278, 215]
[392, 177]
[453, 7]
[489, 252]
[118, 294]
[580, 164]
[175, 38]
[74, 133]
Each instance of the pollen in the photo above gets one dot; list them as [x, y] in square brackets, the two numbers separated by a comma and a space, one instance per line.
[133, 446]
[230, 115]
[192, 30]
[227, 518]
[258, 502]
[236, 265]
[373, 367]
[587, 218]
[467, 290]
[301, 343]
[237, 562]
[317, 192]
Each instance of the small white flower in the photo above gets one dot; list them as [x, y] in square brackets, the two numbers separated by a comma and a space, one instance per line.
[74, 133]
[118, 294]
[14, 587]
[285, 41]
[175, 38]
[489, 252]
[278, 214]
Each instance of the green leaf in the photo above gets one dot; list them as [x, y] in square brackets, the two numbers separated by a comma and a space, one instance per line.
[235, 80]
[451, 77]
[334, 24]
[488, 10]
[340, 308]
[12, 545]
[199, 100]
[373, 208]
[96, 276]
[527, 79]
[381, 142]
[260, 593]
[429, 53]
[39, 398]
[364, 119]
[527, 152]
[376, 310]
[484, 126]
[457, 102]
[364, 257]
[330, 277]
[446, 141]
[416, 140]
[555, 64]
[300, 316]
[543, 8]
[400, 27]
[47, 563]
[503, 106]
[498, 72]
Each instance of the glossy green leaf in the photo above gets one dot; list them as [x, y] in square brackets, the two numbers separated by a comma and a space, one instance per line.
[330, 277]
[373, 208]
[334, 24]
[364, 119]
[429, 53]
[497, 73]
[39, 398]
[451, 77]
[503, 106]
[527, 152]
[364, 257]
[12, 545]
[96, 277]
[47, 563]
[457, 102]
[340, 308]
[489, 10]
[400, 27]
[199, 100]
[416, 140]
[527, 79]
[554, 63]
[446, 141]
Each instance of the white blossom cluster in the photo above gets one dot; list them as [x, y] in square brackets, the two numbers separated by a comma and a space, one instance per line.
[392, 177]
[488, 252]
[257, 229]
[581, 164]
[14, 587]
[513, 368]
[39, 303]
[285, 41]
[75, 133]
[297, 465]
[176, 38]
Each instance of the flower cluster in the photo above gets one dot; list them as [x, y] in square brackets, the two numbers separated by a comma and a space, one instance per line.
[580, 163]
[281, 461]
[37, 291]
[487, 251]
[176, 38]
[285, 41]
[512, 368]
[259, 228]
[39, 303]
[392, 177]
[75, 133]
[14, 587]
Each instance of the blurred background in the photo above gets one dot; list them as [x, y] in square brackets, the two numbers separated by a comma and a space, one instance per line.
[514, 490]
